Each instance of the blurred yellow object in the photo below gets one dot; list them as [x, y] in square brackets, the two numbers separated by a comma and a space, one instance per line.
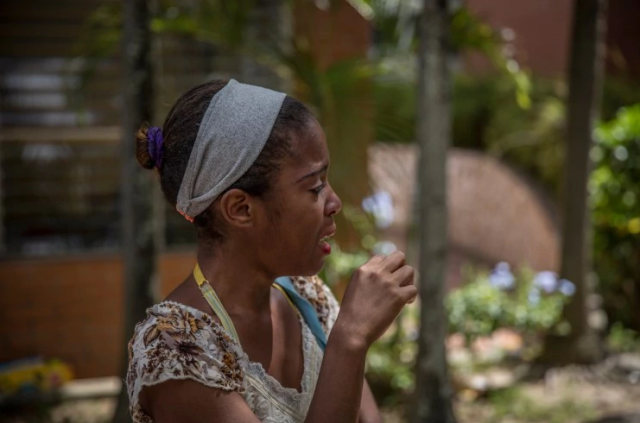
[634, 225]
[33, 374]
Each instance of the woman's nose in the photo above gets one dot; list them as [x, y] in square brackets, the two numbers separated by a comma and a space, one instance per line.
[334, 204]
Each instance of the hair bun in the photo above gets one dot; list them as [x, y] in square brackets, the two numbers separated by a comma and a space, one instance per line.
[150, 147]
[155, 144]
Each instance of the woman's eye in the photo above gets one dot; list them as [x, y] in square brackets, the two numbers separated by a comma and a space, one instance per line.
[318, 189]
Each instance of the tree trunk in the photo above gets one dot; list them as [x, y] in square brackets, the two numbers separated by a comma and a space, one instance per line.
[3, 247]
[585, 86]
[433, 391]
[139, 223]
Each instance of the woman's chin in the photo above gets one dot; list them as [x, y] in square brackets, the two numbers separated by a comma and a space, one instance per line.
[311, 267]
[311, 270]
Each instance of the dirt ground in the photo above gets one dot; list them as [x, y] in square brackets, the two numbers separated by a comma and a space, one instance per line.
[567, 395]
[602, 394]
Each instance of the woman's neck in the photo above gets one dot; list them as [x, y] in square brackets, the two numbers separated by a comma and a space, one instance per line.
[239, 282]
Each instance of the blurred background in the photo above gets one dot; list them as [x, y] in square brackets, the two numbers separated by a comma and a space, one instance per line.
[354, 62]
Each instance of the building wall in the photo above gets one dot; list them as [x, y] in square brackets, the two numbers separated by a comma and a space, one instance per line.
[336, 34]
[485, 226]
[623, 33]
[72, 308]
[542, 30]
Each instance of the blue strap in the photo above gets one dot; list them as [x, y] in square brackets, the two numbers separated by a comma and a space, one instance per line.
[307, 311]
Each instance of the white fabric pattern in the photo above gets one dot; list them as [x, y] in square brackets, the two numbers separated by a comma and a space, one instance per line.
[179, 342]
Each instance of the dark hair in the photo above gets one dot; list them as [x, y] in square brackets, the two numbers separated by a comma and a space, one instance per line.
[180, 130]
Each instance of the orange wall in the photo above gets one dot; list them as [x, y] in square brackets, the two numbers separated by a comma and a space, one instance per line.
[542, 30]
[339, 33]
[543, 33]
[72, 309]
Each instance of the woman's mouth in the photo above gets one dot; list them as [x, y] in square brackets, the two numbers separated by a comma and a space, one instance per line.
[324, 244]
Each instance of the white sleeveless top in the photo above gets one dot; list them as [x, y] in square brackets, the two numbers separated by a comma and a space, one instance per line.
[179, 342]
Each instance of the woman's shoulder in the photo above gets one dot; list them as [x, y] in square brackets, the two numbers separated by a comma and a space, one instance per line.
[179, 342]
[320, 296]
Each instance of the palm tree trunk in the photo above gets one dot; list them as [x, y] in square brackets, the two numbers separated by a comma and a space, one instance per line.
[139, 227]
[585, 86]
[433, 392]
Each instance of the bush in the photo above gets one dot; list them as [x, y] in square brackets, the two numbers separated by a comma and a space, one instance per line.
[621, 339]
[615, 190]
[530, 303]
[527, 302]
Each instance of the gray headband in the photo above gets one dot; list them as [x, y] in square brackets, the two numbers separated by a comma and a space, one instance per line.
[232, 133]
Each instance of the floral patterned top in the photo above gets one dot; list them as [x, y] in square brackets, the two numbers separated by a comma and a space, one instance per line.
[179, 342]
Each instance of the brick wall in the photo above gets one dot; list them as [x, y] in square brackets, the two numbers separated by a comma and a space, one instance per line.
[542, 29]
[543, 32]
[336, 34]
[72, 309]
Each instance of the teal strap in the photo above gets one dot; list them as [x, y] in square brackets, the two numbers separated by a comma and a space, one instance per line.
[308, 312]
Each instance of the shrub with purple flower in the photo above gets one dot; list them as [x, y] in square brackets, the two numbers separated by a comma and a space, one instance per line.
[546, 281]
[567, 288]
[529, 302]
[501, 277]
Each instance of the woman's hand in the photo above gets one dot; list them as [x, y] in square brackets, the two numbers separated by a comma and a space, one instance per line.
[376, 294]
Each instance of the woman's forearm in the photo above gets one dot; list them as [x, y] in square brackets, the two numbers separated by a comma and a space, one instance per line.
[339, 387]
[369, 412]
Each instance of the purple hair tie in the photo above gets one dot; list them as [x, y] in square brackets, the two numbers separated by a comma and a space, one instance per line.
[155, 144]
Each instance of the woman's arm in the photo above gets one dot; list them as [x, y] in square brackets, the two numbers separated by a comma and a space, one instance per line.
[376, 293]
[177, 401]
[339, 388]
[369, 412]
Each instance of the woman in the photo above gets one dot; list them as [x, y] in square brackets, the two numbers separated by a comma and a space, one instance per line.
[248, 166]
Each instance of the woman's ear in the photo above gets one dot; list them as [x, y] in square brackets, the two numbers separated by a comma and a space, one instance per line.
[237, 208]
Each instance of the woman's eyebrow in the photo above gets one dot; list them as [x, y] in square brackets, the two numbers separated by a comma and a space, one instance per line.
[314, 173]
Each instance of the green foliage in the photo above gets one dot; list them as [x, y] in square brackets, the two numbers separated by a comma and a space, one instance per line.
[469, 32]
[621, 339]
[487, 117]
[614, 185]
[618, 93]
[396, 25]
[340, 264]
[475, 100]
[530, 303]
[390, 360]
[616, 213]
[395, 109]
[478, 308]
[215, 21]
[533, 141]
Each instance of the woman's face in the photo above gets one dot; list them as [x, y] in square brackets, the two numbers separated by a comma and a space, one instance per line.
[299, 209]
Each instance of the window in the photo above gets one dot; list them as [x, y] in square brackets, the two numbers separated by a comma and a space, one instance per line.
[60, 145]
